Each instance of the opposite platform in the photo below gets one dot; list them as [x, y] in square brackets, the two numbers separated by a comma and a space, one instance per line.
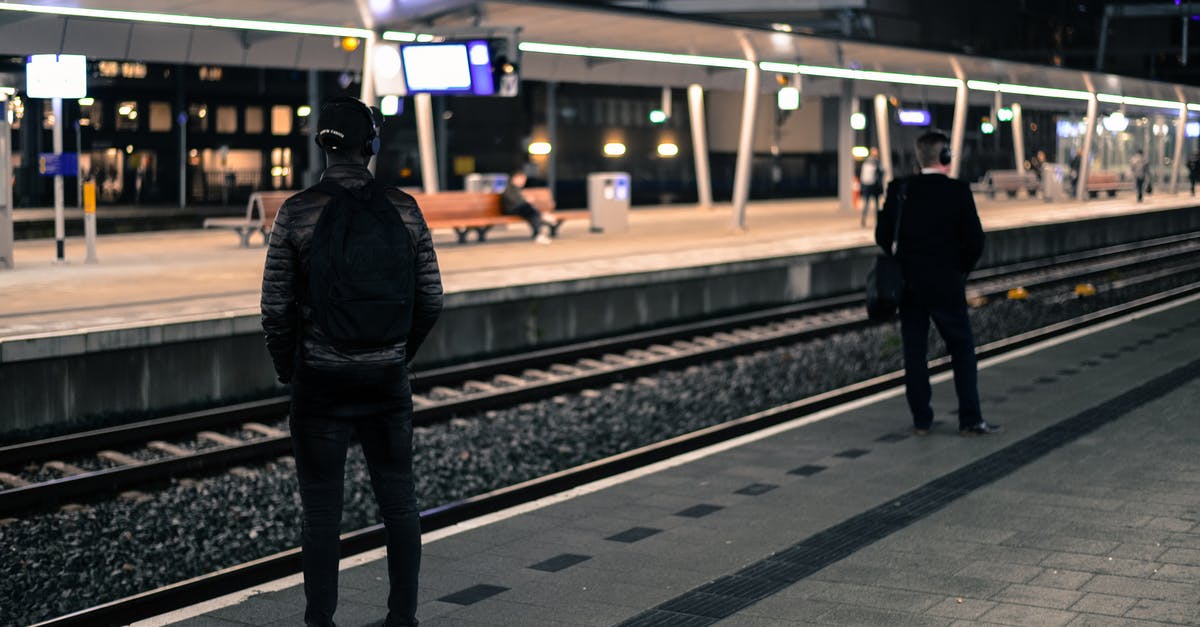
[1084, 511]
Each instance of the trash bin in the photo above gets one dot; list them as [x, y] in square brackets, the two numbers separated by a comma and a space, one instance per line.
[492, 182]
[1056, 183]
[6, 204]
[608, 201]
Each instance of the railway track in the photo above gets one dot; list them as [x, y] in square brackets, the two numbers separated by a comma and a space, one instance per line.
[83, 465]
[288, 562]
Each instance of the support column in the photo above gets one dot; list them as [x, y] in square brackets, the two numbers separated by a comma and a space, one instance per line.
[700, 145]
[1085, 157]
[745, 155]
[959, 128]
[182, 120]
[315, 164]
[552, 135]
[429, 171]
[1018, 134]
[1180, 138]
[884, 133]
[6, 196]
[845, 160]
[59, 218]
[367, 87]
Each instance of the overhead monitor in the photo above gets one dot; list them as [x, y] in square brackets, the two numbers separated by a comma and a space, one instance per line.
[56, 76]
[463, 67]
[915, 117]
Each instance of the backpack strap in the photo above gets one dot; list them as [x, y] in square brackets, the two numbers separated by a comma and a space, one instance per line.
[901, 197]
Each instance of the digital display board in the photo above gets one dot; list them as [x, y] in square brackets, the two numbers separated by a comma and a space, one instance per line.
[448, 68]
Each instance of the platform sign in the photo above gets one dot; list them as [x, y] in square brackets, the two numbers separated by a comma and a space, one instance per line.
[61, 164]
[56, 76]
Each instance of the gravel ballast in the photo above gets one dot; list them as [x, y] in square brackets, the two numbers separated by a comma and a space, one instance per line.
[73, 558]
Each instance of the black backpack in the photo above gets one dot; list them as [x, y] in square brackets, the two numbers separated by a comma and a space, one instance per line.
[360, 270]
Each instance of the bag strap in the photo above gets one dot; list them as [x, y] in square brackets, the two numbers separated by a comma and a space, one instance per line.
[901, 197]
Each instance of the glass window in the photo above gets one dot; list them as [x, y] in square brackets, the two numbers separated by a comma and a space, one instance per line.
[254, 121]
[92, 115]
[127, 116]
[160, 117]
[281, 120]
[198, 118]
[227, 119]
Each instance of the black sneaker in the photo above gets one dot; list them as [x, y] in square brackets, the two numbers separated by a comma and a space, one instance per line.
[980, 428]
[921, 431]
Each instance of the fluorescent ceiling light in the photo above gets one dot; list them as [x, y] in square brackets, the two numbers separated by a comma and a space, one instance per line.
[1139, 102]
[634, 55]
[862, 75]
[393, 35]
[1029, 90]
[188, 20]
[1193, 106]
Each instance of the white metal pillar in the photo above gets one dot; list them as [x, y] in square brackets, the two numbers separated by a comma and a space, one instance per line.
[425, 144]
[745, 155]
[1180, 138]
[552, 135]
[59, 218]
[700, 145]
[884, 131]
[1018, 134]
[845, 143]
[1085, 157]
[315, 162]
[6, 216]
[959, 128]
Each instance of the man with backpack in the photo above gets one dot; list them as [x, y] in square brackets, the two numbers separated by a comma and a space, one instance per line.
[350, 291]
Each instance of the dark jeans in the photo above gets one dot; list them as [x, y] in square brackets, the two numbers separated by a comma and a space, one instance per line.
[531, 215]
[1141, 185]
[376, 405]
[869, 193]
[955, 328]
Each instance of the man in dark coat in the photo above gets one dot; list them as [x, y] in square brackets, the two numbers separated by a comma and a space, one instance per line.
[940, 242]
[337, 391]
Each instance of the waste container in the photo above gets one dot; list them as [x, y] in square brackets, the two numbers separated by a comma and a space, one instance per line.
[6, 204]
[608, 201]
[1056, 183]
[490, 182]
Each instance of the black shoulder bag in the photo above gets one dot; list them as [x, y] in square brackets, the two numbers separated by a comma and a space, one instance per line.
[885, 282]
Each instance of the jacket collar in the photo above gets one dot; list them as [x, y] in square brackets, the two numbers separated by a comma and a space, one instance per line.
[348, 176]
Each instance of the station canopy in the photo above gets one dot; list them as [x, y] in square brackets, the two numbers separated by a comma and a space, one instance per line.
[564, 42]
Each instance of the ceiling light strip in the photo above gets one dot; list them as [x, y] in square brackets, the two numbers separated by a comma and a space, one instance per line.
[1030, 90]
[862, 75]
[189, 20]
[634, 55]
[1139, 102]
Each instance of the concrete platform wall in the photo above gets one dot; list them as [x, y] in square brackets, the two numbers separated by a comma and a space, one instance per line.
[50, 383]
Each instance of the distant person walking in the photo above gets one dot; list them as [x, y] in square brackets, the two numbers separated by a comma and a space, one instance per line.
[870, 181]
[350, 291]
[1139, 166]
[940, 241]
[513, 202]
[1193, 165]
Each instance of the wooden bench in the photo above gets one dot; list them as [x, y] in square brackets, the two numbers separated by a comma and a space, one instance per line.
[264, 205]
[1010, 182]
[1107, 181]
[479, 212]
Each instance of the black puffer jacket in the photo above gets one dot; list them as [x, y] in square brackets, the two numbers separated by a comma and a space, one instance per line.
[286, 317]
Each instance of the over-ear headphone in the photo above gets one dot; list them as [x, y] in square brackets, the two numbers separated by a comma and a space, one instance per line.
[945, 156]
[371, 147]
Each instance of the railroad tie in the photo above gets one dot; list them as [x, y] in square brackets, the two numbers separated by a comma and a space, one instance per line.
[261, 429]
[64, 469]
[706, 341]
[479, 386]
[445, 392]
[508, 379]
[12, 481]
[420, 401]
[534, 373]
[642, 355]
[243, 472]
[120, 459]
[218, 438]
[168, 448]
[661, 349]
[593, 364]
[565, 369]
[618, 359]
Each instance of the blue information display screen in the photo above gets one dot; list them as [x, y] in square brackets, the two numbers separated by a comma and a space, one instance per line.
[448, 68]
[60, 164]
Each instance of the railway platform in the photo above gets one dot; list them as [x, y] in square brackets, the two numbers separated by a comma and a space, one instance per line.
[1083, 511]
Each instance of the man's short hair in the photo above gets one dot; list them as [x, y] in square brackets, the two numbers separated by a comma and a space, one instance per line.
[929, 148]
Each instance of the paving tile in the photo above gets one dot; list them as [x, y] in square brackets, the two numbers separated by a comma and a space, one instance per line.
[806, 470]
[1094, 620]
[1064, 579]
[633, 534]
[1143, 588]
[755, 489]
[1176, 572]
[1171, 523]
[1000, 571]
[1062, 543]
[1187, 557]
[1165, 611]
[258, 611]
[560, 562]
[1039, 596]
[852, 615]
[699, 511]
[892, 437]
[206, 620]
[1100, 564]
[852, 453]
[877, 597]
[1142, 552]
[1012, 614]
[1095, 603]
[961, 607]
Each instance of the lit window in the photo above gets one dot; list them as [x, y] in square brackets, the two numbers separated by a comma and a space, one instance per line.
[133, 70]
[108, 69]
[198, 118]
[227, 119]
[160, 117]
[281, 120]
[127, 115]
[254, 121]
[209, 73]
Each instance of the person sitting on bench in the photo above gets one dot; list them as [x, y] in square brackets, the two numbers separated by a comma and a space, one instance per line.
[513, 202]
